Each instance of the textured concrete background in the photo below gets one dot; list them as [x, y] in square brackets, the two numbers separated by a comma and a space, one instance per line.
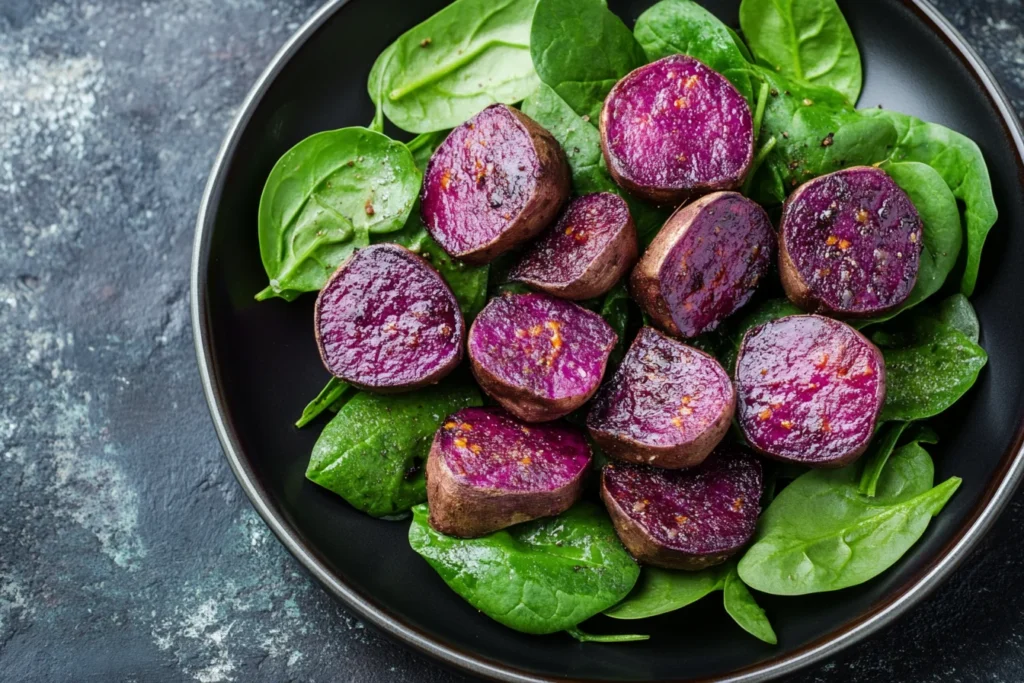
[127, 550]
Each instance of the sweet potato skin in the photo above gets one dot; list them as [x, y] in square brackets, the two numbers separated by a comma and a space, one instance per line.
[864, 259]
[810, 390]
[647, 539]
[459, 507]
[632, 395]
[731, 223]
[441, 302]
[555, 339]
[526, 177]
[705, 103]
[563, 264]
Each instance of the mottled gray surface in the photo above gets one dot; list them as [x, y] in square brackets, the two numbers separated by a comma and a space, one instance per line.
[127, 550]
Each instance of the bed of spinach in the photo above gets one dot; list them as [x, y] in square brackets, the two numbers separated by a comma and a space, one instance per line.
[543, 576]
[802, 75]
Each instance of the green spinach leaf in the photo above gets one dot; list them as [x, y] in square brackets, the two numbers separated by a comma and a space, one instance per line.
[934, 366]
[957, 312]
[581, 49]
[816, 132]
[661, 590]
[959, 161]
[539, 577]
[329, 398]
[373, 451]
[469, 55]
[942, 237]
[323, 199]
[424, 145]
[683, 27]
[806, 40]
[617, 638]
[744, 610]
[821, 534]
[878, 454]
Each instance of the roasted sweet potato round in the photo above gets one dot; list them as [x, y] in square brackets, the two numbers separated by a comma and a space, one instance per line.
[809, 390]
[675, 129]
[704, 264]
[387, 322]
[487, 471]
[496, 182]
[685, 519]
[850, 244]
[539, 356]
[667, 405]
[585, 253]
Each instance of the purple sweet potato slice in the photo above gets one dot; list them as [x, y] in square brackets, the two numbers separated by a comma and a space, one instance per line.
[675, 129]
[667, 405]
[487, 471]
[585, 253]
[496, 182]
[685, 519]
[704, 264]
[850, 244]
[539, 356]
[387, 322]
[809, 390]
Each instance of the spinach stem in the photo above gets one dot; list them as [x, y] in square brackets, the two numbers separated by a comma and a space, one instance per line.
[589, 638]
[762, 101]
[762, 154]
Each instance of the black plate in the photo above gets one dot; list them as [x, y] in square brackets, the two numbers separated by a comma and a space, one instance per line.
[260, 366]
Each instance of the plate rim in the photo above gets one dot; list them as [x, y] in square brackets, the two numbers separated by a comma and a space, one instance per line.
[997, 494]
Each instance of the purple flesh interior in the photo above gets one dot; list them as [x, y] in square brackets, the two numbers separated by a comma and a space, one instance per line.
[677, 124]
[709, 509]
[809, 388]
[487, 448]
[716, 266]
[664, 393]
[547, 346]
[855, 239]
[387, 319]
[478, 180]
[564, 252]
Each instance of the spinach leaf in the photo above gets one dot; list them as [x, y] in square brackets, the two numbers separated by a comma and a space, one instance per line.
[821, 534]
[661, 590]
[582, 144]
[878, 455]
[959, 161]
[581, 49]
[579, 138]
[540, 577]
[816, 132]
[591, 638]
[806, 40]
[957, 312]
[322, 200]
[942, 237]
[683, 27]
[373, 451]
[934, 367]
[424, 145]
[329, 398]
[745, 611]
[469, 55]
[468, 283]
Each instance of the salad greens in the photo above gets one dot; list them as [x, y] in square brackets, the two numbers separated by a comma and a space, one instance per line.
[539, 577]
[372, 453]
[470, 54]
[822, 534]
[806, 40]
[324, 198]
[581, 49]
[802, 75]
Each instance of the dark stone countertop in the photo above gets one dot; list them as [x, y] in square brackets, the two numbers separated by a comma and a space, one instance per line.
[127, 550]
